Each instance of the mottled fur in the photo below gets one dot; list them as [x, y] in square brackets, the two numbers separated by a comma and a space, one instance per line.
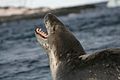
[68, 60]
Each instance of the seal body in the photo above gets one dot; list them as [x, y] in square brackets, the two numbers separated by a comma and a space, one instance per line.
[67, 58]
[102, 65]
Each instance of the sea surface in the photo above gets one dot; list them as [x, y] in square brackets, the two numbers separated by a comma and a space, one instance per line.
[47, 3]
[22, 58]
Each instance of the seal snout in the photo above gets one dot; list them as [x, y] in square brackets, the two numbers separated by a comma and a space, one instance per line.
[49, 17]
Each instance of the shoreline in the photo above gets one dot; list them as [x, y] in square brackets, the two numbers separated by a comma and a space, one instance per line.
[20, 13]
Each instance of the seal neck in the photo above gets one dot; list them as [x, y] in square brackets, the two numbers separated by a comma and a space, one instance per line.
[65, 61]
[73, 53]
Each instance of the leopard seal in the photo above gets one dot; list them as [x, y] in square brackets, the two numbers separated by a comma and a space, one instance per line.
[67, 58]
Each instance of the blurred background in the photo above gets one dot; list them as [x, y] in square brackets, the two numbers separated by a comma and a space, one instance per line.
[96, 24]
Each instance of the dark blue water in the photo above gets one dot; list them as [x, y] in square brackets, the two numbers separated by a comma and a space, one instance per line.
[21, 57]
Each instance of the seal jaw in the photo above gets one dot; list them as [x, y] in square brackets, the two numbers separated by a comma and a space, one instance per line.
[42, 37]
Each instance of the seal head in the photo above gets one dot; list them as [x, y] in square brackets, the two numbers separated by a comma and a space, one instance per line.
[58, 38]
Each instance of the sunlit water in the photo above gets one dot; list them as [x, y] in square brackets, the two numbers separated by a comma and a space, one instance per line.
[21, 57]
[46, 3]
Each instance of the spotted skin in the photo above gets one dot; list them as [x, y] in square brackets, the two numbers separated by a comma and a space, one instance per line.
[69, 61]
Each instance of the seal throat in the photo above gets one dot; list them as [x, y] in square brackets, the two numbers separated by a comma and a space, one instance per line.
[43, 34]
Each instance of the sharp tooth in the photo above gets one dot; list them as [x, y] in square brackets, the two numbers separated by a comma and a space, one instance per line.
[40, 29]
[37, 29]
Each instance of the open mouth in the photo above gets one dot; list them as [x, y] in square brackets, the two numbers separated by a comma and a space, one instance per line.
[43, 34]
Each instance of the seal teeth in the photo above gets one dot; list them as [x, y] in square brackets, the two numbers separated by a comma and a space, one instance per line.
[41, 33]
[37, 30]
[40, 29]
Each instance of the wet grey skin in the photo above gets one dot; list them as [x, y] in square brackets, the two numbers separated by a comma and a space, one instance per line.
[69, 61]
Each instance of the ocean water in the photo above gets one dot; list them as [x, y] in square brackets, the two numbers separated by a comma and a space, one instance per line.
[21, 57]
